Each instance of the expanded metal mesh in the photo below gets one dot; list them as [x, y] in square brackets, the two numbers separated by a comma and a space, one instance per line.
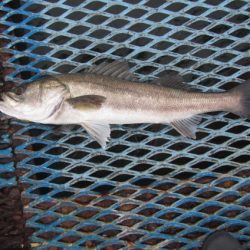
[151, 188]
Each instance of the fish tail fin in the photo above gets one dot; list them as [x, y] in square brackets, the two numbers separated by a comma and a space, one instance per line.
[242, 94]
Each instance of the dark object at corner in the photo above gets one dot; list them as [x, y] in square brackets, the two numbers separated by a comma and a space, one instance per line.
[221, 240]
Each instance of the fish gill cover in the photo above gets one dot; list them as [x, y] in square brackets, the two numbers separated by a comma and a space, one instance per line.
[152, 188]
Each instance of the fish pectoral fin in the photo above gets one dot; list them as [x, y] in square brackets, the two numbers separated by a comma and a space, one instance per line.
[99, 131]
[86, 102]
[187, 127]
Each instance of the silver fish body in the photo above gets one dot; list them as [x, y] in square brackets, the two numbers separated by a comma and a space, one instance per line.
[110, 94]
[131, 102]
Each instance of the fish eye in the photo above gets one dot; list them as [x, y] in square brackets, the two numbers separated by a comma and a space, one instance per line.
[19, 90]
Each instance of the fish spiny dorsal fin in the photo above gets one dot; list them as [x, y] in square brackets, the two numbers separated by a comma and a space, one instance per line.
[187, 127]
[173, 81]
[99, 132]
[116, 69]
[97, 69]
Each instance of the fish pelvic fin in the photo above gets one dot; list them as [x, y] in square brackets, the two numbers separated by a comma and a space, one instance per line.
[98, 131]
[241, 93]
[187, 127]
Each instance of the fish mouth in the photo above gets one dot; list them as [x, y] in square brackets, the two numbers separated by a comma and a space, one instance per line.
[12, 96]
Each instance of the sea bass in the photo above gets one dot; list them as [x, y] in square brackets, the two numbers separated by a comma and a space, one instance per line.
[110, 94]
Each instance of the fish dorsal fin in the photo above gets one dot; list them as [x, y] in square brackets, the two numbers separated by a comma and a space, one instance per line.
[187, 127]
[116, 69]
[86, 102]
[172, 81]
[100, 132]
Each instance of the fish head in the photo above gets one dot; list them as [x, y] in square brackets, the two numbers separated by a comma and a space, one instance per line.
[37, 102]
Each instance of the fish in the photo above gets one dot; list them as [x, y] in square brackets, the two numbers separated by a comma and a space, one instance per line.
[110, 94]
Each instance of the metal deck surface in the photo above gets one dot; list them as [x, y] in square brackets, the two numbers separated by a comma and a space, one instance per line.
[151, 188]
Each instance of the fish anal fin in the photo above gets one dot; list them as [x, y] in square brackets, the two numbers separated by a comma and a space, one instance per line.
[187, 127]
[116, 69]
[87, 102]
[98, 131]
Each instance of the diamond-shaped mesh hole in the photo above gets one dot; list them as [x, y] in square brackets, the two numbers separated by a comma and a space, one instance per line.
[141, 167]
[56, 151]
[35, 8]
[181, 160]
[36, 146]
[174, 245]
[224, 169]
[98, 159]
[82, 184]
[120, 163]
[42, 190]
[37, 161]
[244, 158]
[122, 177]
[79, 169]
[184, 175]
[101, 173]
[76, 15]
[163, 171]
[77, 155]
[58, 165]
[118, 148]
[143, 181]
[61, 180]
[39, 176]
[239, 144]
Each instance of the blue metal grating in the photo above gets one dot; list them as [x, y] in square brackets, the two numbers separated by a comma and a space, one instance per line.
[152, 188]
[7, 170]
